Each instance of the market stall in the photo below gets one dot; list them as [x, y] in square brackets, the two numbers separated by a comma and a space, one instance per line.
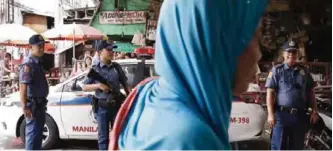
[77, 34]
[14, 40]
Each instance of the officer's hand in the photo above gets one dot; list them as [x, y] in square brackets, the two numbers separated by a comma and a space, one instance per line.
[313, 117]
[104, 87]
[271, 120]
[27, 112]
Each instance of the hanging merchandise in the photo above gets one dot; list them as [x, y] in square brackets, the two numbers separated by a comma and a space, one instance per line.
[95, 59]
[16, 53]
[143, 42]
[137, 38]
[305, 18]
[25, 53]
[301, 53]
[151, 29]
[151, 34]
[269, 33]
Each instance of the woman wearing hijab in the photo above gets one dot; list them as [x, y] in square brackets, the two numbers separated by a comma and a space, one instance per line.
[206, 51]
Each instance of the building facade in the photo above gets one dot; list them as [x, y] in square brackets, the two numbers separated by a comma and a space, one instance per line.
[125, 18]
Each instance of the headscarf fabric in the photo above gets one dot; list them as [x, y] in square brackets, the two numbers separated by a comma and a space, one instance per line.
[198, 43]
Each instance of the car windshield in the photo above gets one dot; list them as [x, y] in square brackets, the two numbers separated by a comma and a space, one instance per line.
[135, 72]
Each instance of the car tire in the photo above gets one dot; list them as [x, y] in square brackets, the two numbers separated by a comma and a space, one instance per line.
[235, 145]
[50, 126]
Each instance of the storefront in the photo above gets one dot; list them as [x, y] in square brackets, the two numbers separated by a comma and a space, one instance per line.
[307, 22]
[130, 23]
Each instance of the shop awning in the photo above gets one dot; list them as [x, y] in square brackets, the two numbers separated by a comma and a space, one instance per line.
[65, 45]
[125, 47]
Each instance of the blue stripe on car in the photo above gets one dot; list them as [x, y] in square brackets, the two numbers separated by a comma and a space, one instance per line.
[76, 101]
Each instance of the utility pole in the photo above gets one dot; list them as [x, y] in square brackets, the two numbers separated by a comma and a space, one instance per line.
[61, 11]
[2, 12]
[56, 13]
[58, 19]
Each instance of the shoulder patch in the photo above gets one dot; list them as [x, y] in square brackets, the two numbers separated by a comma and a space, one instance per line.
[26, 68]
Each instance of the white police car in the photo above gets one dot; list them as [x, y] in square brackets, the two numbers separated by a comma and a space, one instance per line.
[69, 114]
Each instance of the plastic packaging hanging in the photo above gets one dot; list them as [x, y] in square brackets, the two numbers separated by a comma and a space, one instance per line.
[16, 54]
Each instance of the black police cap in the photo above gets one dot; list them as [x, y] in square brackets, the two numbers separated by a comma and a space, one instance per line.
[36, 40]
[103, 44]
[290, 46]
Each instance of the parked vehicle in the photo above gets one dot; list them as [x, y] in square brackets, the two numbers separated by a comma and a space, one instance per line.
[69, 113]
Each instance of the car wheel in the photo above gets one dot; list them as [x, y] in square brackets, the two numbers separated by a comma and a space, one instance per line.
[235, 145]
[50, 133]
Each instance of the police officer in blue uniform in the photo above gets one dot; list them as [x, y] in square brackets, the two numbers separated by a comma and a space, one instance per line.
[107, 69]
[33, 92]
[289, 95]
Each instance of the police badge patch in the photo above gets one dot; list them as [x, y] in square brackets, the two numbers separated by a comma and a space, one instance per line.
[26, 68]
[291, 43]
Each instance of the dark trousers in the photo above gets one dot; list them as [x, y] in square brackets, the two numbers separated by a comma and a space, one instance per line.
[289, 131]
[104, 118]
[34, 127]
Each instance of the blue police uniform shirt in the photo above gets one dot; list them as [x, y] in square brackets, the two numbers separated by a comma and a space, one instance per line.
[110, 73]
[32, 74]
[291, 85]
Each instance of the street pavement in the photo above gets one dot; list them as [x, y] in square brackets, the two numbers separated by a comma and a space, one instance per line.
[16, 143]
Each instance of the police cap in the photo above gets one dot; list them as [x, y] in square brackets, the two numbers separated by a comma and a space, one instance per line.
[290, 46]
[103, 44]
[36, 40]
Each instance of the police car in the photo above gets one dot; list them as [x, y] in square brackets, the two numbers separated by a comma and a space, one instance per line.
[70, 116]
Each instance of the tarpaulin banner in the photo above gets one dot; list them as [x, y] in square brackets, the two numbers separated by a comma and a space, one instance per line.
[122, 17]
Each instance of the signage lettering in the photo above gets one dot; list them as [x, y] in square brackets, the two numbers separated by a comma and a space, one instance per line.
[122, 17]
[239, 120]
[84, 129]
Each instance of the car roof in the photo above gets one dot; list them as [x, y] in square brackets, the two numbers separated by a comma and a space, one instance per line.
[134, 61]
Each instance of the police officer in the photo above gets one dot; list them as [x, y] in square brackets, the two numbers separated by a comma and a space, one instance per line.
[107, 69]
[33, 93]
[289, 95]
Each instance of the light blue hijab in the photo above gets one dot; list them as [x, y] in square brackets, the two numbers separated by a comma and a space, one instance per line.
[197, 46]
